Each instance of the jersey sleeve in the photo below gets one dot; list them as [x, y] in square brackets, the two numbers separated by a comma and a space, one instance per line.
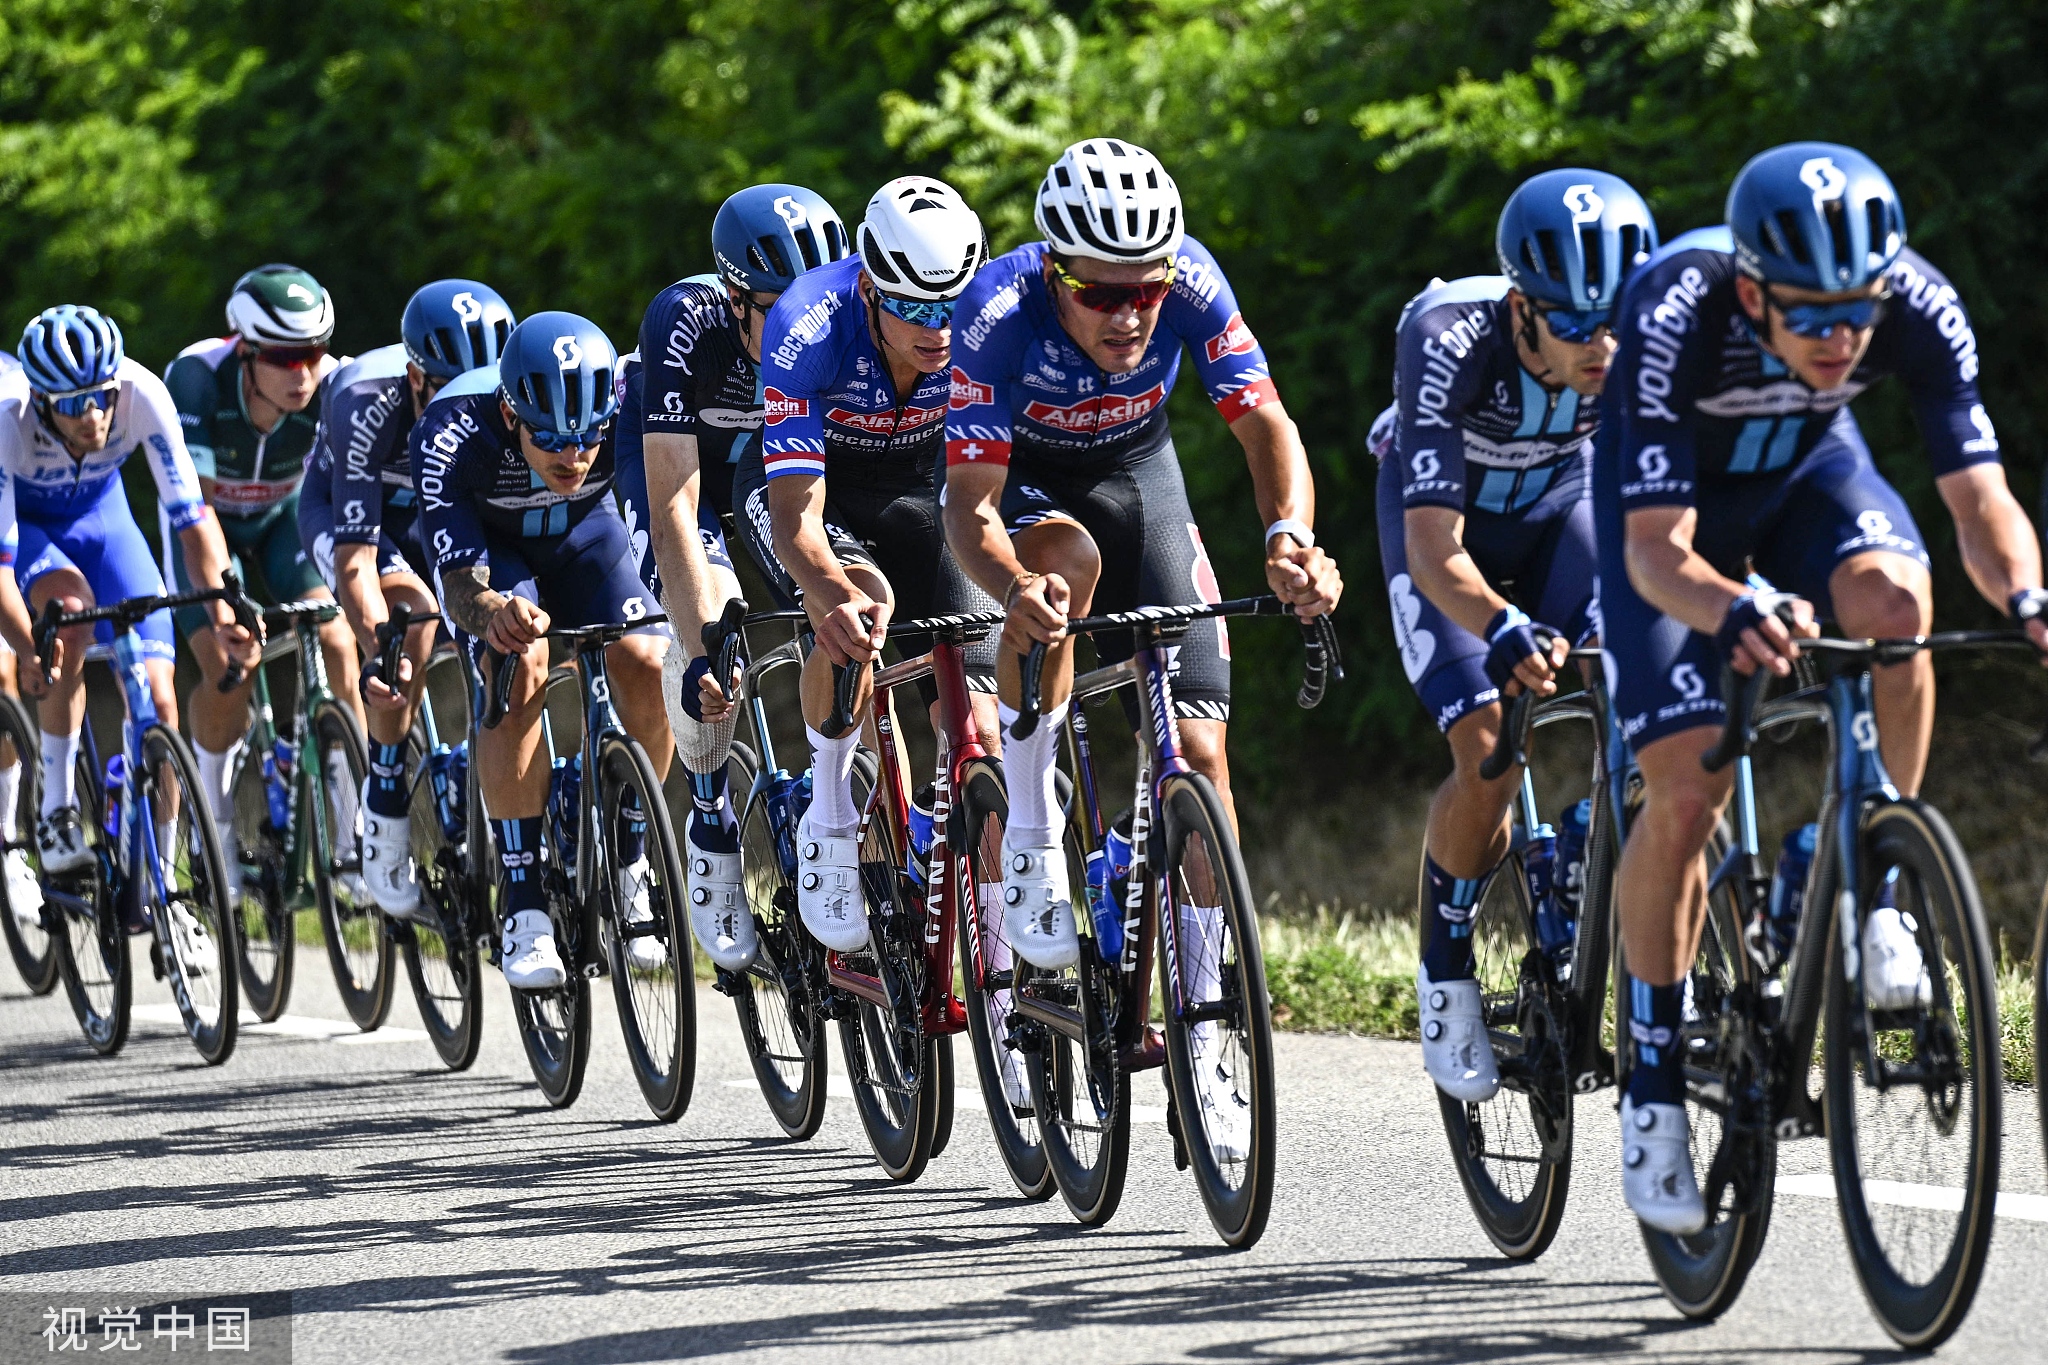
[159, 426]
[1933, 349]
[1659, 329]
[450, 528]
[193, 392]
[673, 367]
[1228, 359]
[987, 362]
[1440, 363]
[346, 421]
[794, 373]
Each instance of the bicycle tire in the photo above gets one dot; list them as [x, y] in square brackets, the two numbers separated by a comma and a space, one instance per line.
[1193, 818]
[1937, 890]
[359, 944]
[189, 957]
[780, 1023]
[554, 1023]
[1527, 1125]
[93, 959]
[29, 940]
[2041, 1018]
[623, 768]
[1736, 1160]
[983, 807]
[441, 960]
[262, 902]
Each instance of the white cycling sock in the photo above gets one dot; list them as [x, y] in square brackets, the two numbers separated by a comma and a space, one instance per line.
[1028, 765]
[60, 771]
[10, 795]
[216, 773]
[832, 811]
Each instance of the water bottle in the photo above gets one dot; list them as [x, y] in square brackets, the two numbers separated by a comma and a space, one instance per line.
[117, 786]
[921, 831]
[277, 782]
[565, 791]
[800, 798]
[1553, 924]
[1788, 886]
[1568, 882]
[1108, 866]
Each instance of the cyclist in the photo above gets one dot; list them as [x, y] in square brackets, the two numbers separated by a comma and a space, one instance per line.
[358, 518]
[853, 374]
[1482, 484]
[22, 891]
[514, 482]
[1063, 491]
[1726, 443]
[692, 394]
[245, 401]
[69, 419]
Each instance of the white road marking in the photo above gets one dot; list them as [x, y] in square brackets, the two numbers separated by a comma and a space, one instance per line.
[964, 1097]
[294, 1026]
[2032, 1208]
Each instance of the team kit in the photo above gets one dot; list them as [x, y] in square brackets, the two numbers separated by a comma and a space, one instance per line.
[1621, 447]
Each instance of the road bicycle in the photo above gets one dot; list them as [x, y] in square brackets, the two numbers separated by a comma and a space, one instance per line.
[295, 800]
[1910, 1099]
[605, 803]
[29, 942]
[893, 1000]
[156, 865]
[1085, 1031]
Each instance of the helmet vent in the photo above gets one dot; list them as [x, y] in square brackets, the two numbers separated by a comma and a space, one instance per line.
[1551, 266]
[1876, 233]
[1596, 264]
[1837, 216]
[1791, 241]
[572, 405]
[1631, 247]
[772, 257]
[917, 204]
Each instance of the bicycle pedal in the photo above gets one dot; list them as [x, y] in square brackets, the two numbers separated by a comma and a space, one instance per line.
[1148, 1055]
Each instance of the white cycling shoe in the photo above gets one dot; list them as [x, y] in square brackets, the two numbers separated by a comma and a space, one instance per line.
[636, 908]
[190, 940]
[1894, 971]
[1656, 1168]
[719, 916]
[1226, 1116]
[828, 894]
[1456, 1052]
[529, 957]
[386, 855]
[60, 839]
[24, 892]
[1038, 906]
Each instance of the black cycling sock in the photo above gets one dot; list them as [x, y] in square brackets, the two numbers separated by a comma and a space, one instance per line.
[1657, 1076]
[1447, 923]
[387, 779]
[519, 852]
[632, 838]
[712, 827]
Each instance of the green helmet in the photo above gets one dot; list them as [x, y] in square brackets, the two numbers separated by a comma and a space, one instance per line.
[280, 305]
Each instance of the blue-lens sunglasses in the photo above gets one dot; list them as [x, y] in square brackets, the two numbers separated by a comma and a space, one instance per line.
[81, 401]
[554, 443]
[1816, 320]
[918, 312]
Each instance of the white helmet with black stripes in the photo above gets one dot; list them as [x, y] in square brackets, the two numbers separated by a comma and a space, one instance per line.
[919, 240]
[1110, 200]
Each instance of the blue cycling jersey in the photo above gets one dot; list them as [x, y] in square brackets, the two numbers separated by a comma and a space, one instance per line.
[1696, 401]
[825, 389]
[473, 481]
[1019, 379]
[361, 460]
[1473, 429]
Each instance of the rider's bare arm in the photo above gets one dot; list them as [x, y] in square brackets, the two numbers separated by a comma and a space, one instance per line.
[471, 603]
[1284, 490]
[1998, 545]
[673, 488]
[1445, 571]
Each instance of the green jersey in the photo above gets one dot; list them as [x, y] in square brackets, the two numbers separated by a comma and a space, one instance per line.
[253, 472]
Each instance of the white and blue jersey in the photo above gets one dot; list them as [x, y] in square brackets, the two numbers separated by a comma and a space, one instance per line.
[1697, 414]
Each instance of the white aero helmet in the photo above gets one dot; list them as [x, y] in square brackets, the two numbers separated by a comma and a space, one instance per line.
[280, 305]
[920, 240]
[1110, 200]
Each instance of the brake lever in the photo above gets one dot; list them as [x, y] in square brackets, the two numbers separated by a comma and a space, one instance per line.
[1031, 680]
[722, 642]
[498, 699]
[390, 651]
[1322, 661]
[46, 638]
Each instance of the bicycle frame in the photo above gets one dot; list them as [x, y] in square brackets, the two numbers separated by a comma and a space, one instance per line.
[313, 691]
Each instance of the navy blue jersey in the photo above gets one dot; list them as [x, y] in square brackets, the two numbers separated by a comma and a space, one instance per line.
[1472, 428]
[1695, 400]
[696, 377]
[361, 456]
[472, 478]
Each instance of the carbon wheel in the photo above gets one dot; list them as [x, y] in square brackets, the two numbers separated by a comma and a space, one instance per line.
[780, 1022]
[359, 945]
[22, 906]
[186, 894]
[88, 928]
[440, 946]
[651, 962]
[259, 853]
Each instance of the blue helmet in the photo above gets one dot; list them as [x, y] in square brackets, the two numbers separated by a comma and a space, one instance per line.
[454, 326]
[556, 372]
[1569, 238]
[1815, 215]
[767, 235]
[69, 348]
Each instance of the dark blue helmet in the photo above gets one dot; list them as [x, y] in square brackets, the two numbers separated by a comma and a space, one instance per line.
[767, 235]
[69, 348]
[1815, 215]
[556, 372]
[1569, 238]
[454, 326]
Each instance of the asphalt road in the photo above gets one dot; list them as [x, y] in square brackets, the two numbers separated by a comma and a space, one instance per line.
[420, 1216]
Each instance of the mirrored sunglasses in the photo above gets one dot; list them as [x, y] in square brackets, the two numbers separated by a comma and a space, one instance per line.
[918, 312]
[290, 357]
[85, 400]
[1111, 298]
[555, 442]
[1816, 320]
[1577, 326]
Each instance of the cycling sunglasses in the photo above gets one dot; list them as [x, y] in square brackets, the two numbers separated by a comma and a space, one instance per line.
[1816, 320]
[918, 312]
[1576, 326]
[554, 443]
[82, 401]
[1112, 298]
[290, 357]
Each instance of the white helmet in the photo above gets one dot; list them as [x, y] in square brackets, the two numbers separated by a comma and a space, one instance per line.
[280, 305]
[1110, 200]
[920, 240]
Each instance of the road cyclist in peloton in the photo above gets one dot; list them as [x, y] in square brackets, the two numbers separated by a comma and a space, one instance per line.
[1485, 458]
[841, 504]
[69, 419]
[1063, 491]
[23, 894]
[358, 518]
[515, 504]
[246, 404]
[689, 410]
[1727, 446]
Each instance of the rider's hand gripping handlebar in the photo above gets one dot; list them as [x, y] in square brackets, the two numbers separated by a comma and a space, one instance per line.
[390, 651]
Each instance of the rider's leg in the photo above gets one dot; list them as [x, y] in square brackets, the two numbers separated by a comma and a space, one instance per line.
[338, 650]
[1879, 594]
[832, 812]
[1467, 834]
[1053, 546]
[62, 709]
[634, 665]
[219, 725]
[386, 844]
